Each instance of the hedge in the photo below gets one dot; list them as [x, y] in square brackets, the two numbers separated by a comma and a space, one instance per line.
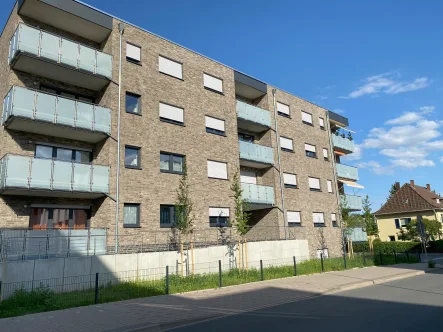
[388, 247]
[436, 246]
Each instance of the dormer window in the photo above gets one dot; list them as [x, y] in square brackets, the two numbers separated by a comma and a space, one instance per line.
[437, 200]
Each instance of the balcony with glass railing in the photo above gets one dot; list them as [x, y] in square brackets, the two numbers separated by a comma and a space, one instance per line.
[42, 53]
[351, 202]
[23, 175]
[255, 155]
[347, 172]
[258, 196]
[252, 118]
[47, 114]
[342, 144]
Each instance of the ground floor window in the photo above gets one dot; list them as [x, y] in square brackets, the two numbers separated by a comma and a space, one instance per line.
[59, 218]
[167, 215]
[392, 238]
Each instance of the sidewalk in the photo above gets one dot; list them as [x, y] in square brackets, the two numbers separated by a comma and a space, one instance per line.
[161, 312]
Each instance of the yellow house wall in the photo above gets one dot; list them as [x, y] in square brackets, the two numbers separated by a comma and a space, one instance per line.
[386, 224]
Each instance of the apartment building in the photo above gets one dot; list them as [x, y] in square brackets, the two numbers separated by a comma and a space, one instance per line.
[72, 105]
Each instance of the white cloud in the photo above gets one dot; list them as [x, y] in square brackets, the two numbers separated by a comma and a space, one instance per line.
[427, 109]
[412, 163]
[441, 159]
[405, 152]
[356, 155]
[408, 117]
[434, 145]
[375, 167]
[387, 83]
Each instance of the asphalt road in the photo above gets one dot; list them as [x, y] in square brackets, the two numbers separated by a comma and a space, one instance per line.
[412, 304]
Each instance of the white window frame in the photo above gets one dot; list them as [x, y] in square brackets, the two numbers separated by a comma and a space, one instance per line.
[164, 108]
[321, 122]
[325, 154]
[283, 109]
[288, 180]
[214, 125]
[334, 219]
[329, 182]
[310, 148]
[211, 164]
[289, 140]
[311, 182]
[170, 67]
[213, 83]
[292, 217]
[306, 118]
[131, 50]
[318, 218]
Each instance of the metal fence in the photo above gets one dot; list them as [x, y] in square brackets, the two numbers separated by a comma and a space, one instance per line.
[29, 244]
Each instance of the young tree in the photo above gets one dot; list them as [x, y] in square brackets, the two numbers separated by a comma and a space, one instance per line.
[322, 240]
[184, 216]
[349, 222]
[241, 219]
[411, 232]
[369, 222]
[392, 190]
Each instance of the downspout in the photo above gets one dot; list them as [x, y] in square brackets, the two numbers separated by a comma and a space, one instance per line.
[277, 138]
[334, 169]
[121, 29]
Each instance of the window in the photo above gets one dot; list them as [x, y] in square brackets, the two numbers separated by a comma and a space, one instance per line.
[59, 218]
[437, 200]
[306, 118]
[319, 219]
[63, 154]
[218, 217]
[67, 94]
[248, 176]
[283, 109]
[245, 138]
[334, 219]
[290, 180]
[286, 144]
[217, 170]
[171, 114]
[132, 157]
[171, 163]
[133, 103]
[310, 151]
[170, 67]
[131, 215]
[325, 154]
[293, 218]
[167, 215]
[322, 123]
[314, 184]
[133, 53]
[392, 238]
[212, 83]
[404, 222]
[329, 182]
[215, 126]
[397, 223]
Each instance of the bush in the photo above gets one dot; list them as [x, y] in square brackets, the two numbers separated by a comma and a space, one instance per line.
[388, 247]
[361, 247]
[431, 264]
[436, 246]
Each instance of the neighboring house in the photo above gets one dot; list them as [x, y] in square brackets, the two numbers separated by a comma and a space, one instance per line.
[409, 202]
[60, 80]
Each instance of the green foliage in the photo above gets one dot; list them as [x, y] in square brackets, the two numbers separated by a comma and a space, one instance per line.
[369, 221]
[436, 246]
[349, 221]
[184, 218]
[432, 228]
[361, 246]
[350, 136]
[392, 191]
[240, 207]
[431, 264]
[388, 247]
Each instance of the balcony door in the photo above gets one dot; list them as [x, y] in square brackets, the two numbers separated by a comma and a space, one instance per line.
[247, 176]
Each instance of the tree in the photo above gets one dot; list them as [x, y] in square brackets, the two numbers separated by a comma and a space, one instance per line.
[349, 222]
[322, 240]
[184, 216]
[369, 222]
[432, 228]
[392, 190]
[240, 223]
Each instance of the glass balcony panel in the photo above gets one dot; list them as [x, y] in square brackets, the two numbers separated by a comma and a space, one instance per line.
[13, 46]
[41, 170]
[29, 39]
[23, 103]
[50, 46]
[69, 53]
[104, 65]
[86, 59]
[100, 179]
[347, 172]
[85, 115]
[256, 152]
[258, 194]
[82, 177]
[17, 171]
[45, 107]
[253, 113]
[343, 143]
[102, 117]
[66, 111]
[62, 175]
[353, 202]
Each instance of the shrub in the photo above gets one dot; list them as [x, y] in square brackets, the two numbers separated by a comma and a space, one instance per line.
[431, 264]
[388, 247]
[361, 247]
[436, 246]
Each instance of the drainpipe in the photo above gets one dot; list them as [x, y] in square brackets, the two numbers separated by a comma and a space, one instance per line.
[334, 169]
[277, 138]
[121, 29]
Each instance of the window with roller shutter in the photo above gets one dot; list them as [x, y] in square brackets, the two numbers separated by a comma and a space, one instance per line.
[170, 67]
[321, 122]
[218, 217]
[212, 83]
[133, 53]
[310, 151]
[217, 170]
[294, 218]
[290, 180]
[171, 114]
[325, 154]
[283, 109]
[306, 118]
[318, 219]
[286, 144]
[215, 126]
[314, 184]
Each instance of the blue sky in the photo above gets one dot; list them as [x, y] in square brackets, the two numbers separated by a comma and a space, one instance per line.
[379, 63]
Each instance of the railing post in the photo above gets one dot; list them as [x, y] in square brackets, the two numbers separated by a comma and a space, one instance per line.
[407, 256]
[364, 259]
[321, 260]
[295, 266]
[167, 280]
[261, 270]
[344, 260]
[419, 256]
[220, 281]
[96, 289]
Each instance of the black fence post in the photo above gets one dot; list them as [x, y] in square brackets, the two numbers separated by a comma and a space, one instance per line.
[167, 280]
[381, 258]
[364, 259]
[295, 266]
[96, 289]
[419, 256]
[395, 257]
[407, 256]
[261, 270]
[220, 281]
[344, 259]
[321, 260]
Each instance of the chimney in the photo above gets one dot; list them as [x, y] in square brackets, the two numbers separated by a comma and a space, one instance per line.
[412, 183]
[428, 186]
[397, 185]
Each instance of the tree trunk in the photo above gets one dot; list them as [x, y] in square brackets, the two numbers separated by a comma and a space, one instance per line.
[246, 253]
[181, 256]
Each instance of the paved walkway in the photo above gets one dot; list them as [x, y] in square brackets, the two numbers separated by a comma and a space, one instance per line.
[162, 312]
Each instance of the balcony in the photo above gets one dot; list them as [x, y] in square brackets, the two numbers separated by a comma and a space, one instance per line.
[41, 53]
[255, 155]
[343, 145]
[259, 197]
[29, 176]
[347, 172]
[43, 113]
[353, 203]
[252, 118]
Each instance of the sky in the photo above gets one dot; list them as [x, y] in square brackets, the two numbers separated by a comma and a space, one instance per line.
[378, 63]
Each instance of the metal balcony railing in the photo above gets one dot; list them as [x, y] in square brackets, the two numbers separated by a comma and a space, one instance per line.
[256, 152]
